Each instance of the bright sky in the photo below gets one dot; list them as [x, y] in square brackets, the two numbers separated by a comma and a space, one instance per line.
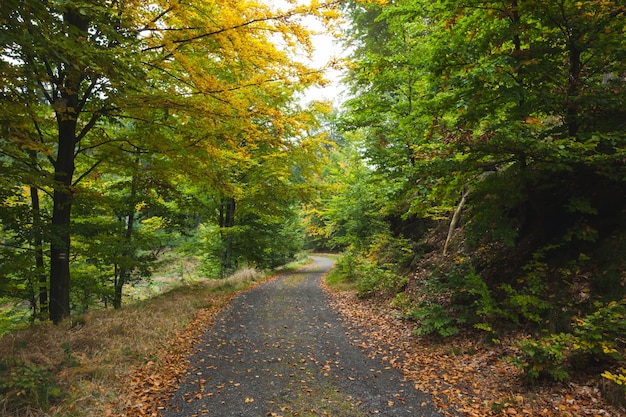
[326, 49]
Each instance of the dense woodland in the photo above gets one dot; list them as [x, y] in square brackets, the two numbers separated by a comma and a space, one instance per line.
[475, 177]
[131, 128]
[482, 181]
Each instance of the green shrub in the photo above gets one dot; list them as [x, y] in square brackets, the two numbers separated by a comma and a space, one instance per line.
[601, 333]
[377, 269]
[471, 295]
[545, 357]
[435, 319]
[527, 300]
[597, 337]
[28, 385]
[349, 266]
[450, 297]
[372, 277]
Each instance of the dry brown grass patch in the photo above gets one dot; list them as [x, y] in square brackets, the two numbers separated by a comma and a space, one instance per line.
[92, 356]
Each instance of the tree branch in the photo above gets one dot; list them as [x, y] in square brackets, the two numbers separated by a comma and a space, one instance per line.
[84, 174]
[234, 27]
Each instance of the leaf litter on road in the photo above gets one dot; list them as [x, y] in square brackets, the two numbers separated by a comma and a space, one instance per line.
[463, 373]
[279, 349]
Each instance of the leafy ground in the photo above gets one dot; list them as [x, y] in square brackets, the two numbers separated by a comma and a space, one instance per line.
[279, 350]
[463, 373]
[108, 361]
[128, 362]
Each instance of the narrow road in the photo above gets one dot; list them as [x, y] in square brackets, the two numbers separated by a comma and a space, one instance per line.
[279, 350]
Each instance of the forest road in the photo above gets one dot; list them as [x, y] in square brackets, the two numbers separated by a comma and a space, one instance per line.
[279, 350]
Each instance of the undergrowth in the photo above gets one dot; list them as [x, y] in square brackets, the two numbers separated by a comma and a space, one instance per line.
[567, 295]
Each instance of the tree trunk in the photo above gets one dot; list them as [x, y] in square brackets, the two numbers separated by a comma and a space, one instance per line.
[118, 286]
[517, 43]
[59, 258]
[62, 198]
[573, 88]
[59, 306]
[122, 273]
[456, 217]
[67, 107]
[39, 260]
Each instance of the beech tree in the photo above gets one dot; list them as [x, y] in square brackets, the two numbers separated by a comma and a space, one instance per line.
[71, 68]
[506, 118]
[64, 61]
[446, 91]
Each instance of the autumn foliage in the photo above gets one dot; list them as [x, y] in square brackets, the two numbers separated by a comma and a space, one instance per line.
[127, 124]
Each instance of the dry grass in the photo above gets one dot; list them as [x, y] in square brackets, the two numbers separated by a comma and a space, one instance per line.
[89, 358]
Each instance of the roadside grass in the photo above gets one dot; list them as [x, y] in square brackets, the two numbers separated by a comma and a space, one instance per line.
[82, 366]
[324, 400]
[336, 281]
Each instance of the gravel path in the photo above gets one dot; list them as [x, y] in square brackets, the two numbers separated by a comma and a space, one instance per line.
[279, 350]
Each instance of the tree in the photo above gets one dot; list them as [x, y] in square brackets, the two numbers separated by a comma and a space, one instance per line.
[457, 89]
[509, 114]
[263, 188]
[66, 61]
[200, 74]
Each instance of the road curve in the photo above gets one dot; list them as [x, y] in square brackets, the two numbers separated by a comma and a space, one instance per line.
[279, 350]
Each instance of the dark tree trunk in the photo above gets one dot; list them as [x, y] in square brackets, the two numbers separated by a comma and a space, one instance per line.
[123, 273]
[59, 258]
[573, 89]
[39, 260]
[517, 42]
[67, 108]
[62, 207]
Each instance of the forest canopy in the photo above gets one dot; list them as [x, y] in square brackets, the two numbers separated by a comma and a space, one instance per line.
[128, 125]
[484, 185]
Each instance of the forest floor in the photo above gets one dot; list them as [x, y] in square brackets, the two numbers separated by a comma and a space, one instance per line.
[129, 362]
[466, 374]
[463, 375]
